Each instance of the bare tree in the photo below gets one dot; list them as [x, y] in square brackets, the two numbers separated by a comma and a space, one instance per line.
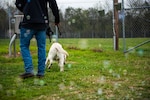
[1, 4]
[135, 3]
[107, 6]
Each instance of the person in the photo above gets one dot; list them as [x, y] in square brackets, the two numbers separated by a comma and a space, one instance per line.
[35, 22]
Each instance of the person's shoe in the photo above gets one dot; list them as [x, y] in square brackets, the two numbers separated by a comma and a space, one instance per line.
[39, 76]
[26, 75]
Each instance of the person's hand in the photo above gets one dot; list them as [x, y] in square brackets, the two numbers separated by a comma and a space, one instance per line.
[56, 24]
[57, 21]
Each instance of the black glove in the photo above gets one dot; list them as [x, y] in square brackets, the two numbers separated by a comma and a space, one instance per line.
[57, 21]
[49, 33]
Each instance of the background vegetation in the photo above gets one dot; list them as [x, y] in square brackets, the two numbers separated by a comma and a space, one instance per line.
[94, 22]
[93, 72]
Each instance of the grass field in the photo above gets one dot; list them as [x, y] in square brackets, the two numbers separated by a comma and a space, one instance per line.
[94, 71]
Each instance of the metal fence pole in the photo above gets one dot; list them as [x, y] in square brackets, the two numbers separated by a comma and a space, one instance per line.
[123, 26]
[137, 46]
[18, 18]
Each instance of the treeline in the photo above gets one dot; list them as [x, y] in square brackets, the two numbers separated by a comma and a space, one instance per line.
[3, 23]
[90, 23]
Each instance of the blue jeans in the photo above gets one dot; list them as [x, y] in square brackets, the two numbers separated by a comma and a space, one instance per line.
[25, 36]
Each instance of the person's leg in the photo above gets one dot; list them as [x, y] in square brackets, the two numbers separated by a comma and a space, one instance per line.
[41, 43]
[25, 37]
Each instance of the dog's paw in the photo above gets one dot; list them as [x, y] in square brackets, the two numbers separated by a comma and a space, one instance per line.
[61, 69]
[49, 66]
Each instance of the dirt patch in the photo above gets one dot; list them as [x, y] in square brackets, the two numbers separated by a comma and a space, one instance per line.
[73, 48]
[97, 50]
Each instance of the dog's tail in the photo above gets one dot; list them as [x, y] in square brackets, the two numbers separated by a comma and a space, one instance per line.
[65, 52]
[62, 51]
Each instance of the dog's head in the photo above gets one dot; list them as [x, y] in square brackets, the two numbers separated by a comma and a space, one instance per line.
[54, 38]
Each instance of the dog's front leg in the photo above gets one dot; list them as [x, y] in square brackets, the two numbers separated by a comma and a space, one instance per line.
[61, 65]
[61, 68]
[50, 64]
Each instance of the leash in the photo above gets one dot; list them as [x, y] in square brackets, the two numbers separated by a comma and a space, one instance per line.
[50, 33]
[59, 30]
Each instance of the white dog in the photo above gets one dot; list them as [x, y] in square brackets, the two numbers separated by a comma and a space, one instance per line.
[56, 52]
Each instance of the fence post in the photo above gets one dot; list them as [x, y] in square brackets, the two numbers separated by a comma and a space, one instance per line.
[115, 21]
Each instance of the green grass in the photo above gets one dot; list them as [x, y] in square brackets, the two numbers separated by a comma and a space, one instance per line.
[94, 71]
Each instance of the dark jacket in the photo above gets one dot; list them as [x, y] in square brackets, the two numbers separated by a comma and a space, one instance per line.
[36, 13]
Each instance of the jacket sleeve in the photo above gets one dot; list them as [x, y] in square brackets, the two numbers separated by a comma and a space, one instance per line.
[20, 4]
[54, 7]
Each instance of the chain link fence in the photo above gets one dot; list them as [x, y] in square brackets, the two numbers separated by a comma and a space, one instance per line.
[137, 22]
